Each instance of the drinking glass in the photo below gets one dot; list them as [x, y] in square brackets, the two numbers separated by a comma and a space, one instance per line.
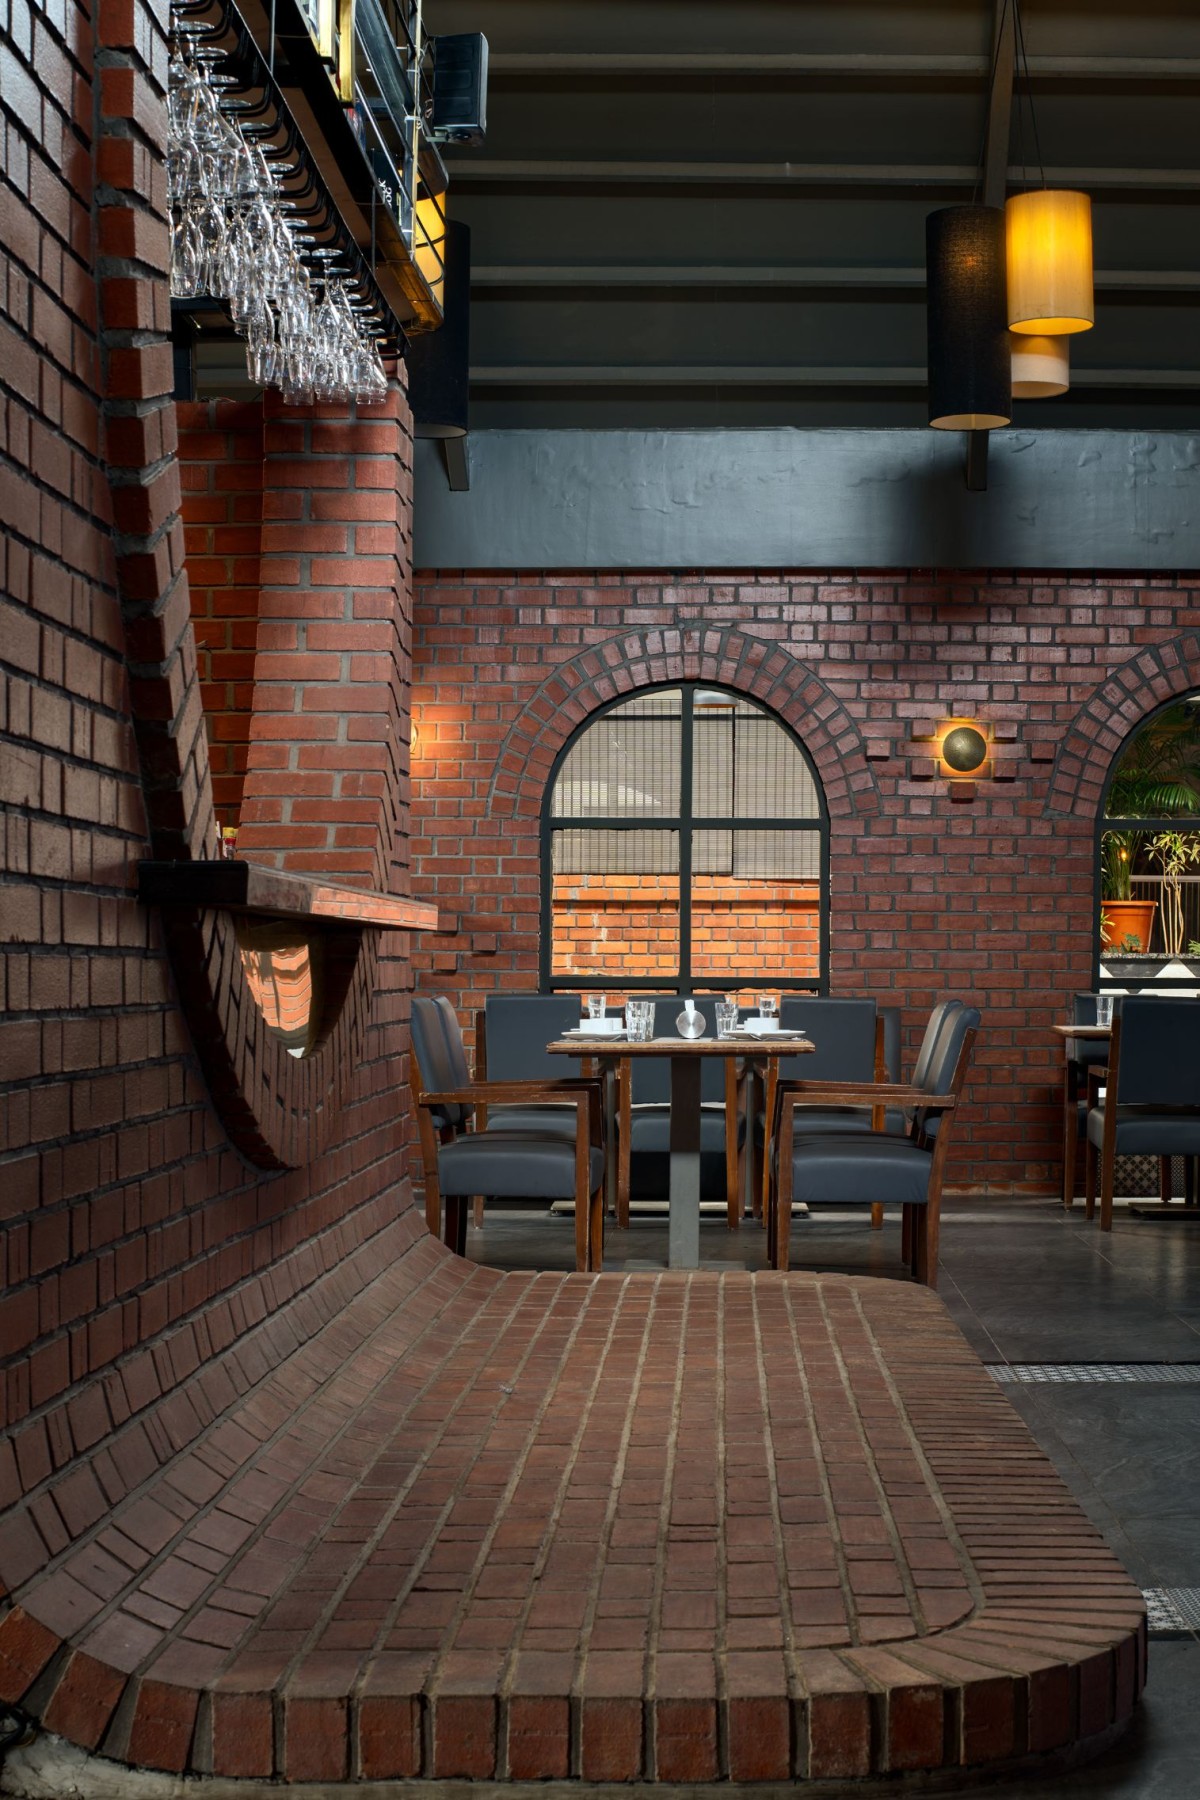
[596, 1004]
[1104, 1006]
[727, 1018]
[768, 1006]
[638, 1021]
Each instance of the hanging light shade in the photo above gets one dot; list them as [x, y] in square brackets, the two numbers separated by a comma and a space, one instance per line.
[970, 369]
[1041, 366]
[1049, 233]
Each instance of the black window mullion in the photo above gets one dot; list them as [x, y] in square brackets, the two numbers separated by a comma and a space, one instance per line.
[687, 724]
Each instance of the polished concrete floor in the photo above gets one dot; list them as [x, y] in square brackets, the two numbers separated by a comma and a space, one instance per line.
[1029, 1284]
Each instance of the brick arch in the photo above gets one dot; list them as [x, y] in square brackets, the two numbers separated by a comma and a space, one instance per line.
[1148, 680]
[641, 659]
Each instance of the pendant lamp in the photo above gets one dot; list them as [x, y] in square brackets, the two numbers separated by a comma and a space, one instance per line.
[970, 367]
[1049, 233]
[1041, 366]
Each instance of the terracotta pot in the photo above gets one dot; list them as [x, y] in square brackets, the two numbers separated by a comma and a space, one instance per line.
[1127, 918]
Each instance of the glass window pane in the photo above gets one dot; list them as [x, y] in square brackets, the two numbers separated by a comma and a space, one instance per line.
[756, 900]
[745, 765]
[614, 904]
[626, 765]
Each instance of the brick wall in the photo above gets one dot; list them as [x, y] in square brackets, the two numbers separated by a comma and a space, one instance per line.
[126, 1209]
[983, 890]
[221, 480]
[622, 925]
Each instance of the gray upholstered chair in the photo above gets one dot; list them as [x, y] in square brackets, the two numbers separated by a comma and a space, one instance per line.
[847, 1046]
[461, 1162]
[511, 1034]
[644, 1115]
[1086, 1060]
[1151, 1104]
[868, 1168]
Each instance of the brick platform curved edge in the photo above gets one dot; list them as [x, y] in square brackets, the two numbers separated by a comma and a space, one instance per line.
[439, 1522]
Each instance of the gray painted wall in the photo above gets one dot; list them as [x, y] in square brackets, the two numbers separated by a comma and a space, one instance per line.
[811, 499]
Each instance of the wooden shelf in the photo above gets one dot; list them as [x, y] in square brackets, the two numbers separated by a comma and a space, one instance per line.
[238, 886]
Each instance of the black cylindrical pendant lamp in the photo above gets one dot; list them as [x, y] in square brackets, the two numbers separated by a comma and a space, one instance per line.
[970, 359]
[439, 373]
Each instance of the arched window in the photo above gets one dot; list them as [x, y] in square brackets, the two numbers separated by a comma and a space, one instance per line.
[684, 846]
[1149, 845]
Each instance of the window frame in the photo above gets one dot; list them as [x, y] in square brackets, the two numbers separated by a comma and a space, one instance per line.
[684, 825]
[1188, 823]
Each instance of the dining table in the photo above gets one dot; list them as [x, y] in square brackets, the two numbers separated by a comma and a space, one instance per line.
[686, 1056]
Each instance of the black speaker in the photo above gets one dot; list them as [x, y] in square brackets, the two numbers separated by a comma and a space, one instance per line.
[458, 113]
[439, 362]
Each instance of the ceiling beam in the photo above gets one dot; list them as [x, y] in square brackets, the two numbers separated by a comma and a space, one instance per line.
[782, 375]
[733, 275]
[471, 172]
[1170, 70]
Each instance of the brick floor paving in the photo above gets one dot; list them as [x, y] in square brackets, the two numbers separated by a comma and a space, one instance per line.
[460, 1523]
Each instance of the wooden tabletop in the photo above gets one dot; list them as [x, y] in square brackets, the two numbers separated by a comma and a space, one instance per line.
[774, 1044]
[1096, 1033]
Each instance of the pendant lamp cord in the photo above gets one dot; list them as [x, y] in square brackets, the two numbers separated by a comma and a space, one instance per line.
[987, 107]
[1023, 63]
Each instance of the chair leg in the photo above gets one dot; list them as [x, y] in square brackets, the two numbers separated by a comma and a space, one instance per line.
[1070, 1145]
[477, 1212]
[1089, 1180]
[928, 1238]
[1107, 1177]
[877, 1217]
[624, 1148]
[583, 1230]
[1164, 1180]
[596, 1230]
[906, 1233]
[781, 1213]
[456, 1223]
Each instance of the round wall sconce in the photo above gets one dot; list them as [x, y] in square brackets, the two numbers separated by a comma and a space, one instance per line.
[964, 748]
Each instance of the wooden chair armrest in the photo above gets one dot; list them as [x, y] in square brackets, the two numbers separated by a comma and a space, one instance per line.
[510, 1092]
[861, 1093]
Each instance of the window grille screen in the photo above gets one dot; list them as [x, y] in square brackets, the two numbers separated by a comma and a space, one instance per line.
[597, 852]
[757, 855]
[741, 767]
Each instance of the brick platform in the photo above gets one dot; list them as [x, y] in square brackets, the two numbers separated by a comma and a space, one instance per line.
[450, 1523]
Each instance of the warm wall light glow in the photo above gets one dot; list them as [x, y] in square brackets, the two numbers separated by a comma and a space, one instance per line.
[962, 747]
[1049, 254]
[1041, 366]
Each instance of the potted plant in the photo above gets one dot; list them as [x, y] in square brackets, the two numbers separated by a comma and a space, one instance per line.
[1122, 918]
[1159, 775]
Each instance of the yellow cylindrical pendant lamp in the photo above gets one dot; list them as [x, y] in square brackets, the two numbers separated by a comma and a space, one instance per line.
[1041, 366]
[1049, 253]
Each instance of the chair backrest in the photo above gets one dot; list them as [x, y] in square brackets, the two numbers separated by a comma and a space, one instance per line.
[843, 1035]
[651, 1075]
[516, 1030]
[939, 1073]
[436, 1063]
[891, 1041]
[1088, 1052]
[1158, 1056]
[938, 1018]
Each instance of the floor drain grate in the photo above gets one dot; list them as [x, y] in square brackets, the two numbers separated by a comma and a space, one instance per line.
[1172, 1612]
[1174, 1374]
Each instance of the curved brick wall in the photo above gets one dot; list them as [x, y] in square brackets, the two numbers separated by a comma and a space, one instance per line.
[127, 1209]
